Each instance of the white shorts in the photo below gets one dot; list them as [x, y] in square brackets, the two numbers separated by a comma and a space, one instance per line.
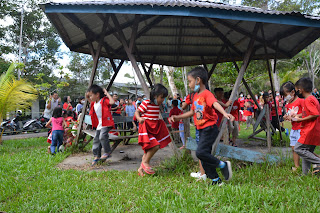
[294, 136]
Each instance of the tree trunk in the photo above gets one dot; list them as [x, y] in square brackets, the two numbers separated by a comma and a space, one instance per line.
[161, 74]
[172, 86]
[184, 77]
[275, 76]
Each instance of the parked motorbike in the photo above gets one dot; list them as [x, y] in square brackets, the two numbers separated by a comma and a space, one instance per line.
[33, 125]
[5, 127]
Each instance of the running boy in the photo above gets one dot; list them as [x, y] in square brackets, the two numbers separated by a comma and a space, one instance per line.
[310, 126]
[203, 106]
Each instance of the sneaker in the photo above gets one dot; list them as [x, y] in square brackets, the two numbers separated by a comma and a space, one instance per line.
[287, 132]
[203, 177]
[227, 171]
[218, 182]
[195, 174]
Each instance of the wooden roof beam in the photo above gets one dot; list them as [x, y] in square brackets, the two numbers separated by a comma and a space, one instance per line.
[246, 33]
[228, 43]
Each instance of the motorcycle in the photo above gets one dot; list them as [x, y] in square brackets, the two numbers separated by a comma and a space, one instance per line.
[5, 127]
[33, 125]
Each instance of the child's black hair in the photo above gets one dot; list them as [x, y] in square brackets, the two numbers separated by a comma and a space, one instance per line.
[157, 90]
[54, 92]
[175, 103]
[287, 87]
[201, 73]
[96, 89]
[65, 99]
[70, 113]
[80, 99]
[218, 89]
[265, 94]
[305, 84]
[57, 112]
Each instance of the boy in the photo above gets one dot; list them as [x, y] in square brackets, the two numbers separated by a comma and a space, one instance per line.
[310, 126]
[175, 125]
[203, 106]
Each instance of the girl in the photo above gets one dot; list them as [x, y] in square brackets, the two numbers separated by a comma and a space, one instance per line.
[153, 133]
[100, 111]
[58, 125]
[203, 106]
[293, 108]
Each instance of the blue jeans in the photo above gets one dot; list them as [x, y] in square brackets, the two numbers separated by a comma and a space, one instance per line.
[57, 139]
[197, 136]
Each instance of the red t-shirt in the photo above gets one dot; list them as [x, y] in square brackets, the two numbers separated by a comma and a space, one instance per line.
[310, 130]
[235, 110]
[241, 101]
[149, 110]
[295, 108]
[175, 111]
[202, 107]
[65, 106]
[273, 109]
[220, 116]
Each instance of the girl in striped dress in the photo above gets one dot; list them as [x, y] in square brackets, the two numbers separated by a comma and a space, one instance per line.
[153, 133]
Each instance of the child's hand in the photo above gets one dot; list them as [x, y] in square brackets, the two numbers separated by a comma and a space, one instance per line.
[105, 91]
[229, 117]
[229, 103]
[172, 119]
[141, 120]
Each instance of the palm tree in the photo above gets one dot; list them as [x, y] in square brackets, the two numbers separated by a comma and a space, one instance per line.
[14, 94]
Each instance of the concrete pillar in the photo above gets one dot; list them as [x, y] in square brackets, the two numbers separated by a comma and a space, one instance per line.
[35, 109]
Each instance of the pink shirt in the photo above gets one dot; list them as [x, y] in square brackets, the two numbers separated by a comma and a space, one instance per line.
[57, 123]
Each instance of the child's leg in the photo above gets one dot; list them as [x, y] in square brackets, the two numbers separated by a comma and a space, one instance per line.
[96, 145]
[60, 139]
[306, 153]
[104, 139]
[209, 162]
[296, 158]
[148, 155]
[202, 172]
[235, 131]
[54, 142]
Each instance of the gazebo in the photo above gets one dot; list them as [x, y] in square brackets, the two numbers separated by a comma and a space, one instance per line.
[180, 33]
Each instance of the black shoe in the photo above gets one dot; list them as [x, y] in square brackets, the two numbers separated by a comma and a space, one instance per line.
[217, 182]
[227, 171]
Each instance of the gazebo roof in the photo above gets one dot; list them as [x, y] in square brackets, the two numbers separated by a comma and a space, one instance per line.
[181, 32]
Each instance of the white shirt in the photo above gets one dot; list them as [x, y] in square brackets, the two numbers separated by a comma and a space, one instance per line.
[98, 110]
[47, 113]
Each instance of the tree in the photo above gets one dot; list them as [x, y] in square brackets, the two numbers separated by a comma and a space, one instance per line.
[15, 94]
[170, 72]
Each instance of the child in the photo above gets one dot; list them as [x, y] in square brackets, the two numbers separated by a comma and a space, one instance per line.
[274, 121]
[101, 119]
[153, 133]
[248, 113]
[310, 126]
[58, 125]
[130, 110]
[233, 126]
[203, 106]
[294, 108]
[175, 125]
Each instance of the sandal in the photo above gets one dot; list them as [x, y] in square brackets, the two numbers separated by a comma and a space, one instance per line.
[140, 172]
[316, 171]
[147, 170]
[105, 157]
[95, 161]
[232, 144]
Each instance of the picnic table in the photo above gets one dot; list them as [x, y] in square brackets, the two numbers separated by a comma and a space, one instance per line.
[124, 134]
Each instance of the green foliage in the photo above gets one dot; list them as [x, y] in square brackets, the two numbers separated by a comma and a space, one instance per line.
[15, 94]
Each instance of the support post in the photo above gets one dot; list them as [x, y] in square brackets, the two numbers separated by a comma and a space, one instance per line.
[131, 57]
[95, 56]
[116, 71]
[268, 127]
[246, 61]
[270, 77]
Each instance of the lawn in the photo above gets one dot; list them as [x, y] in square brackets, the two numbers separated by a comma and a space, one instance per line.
[31, 182]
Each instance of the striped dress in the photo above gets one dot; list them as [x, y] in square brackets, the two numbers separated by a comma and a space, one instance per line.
[153, 131]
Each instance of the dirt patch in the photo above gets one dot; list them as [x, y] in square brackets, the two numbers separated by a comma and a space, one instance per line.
[125, 157]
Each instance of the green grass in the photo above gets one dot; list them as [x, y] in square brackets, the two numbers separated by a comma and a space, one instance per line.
[31, 182]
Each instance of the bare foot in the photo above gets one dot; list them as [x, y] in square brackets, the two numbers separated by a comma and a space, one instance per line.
[140, 172]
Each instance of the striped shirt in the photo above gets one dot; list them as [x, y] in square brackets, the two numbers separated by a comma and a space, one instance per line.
[149, 110]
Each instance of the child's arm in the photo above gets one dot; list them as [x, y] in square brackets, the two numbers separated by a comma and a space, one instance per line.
[139, 118]
[188, 114]
[111, 101]
[225, 104]
[64, 124]
[134, 126]
[218, 107]
[48, 123]
[310, 117]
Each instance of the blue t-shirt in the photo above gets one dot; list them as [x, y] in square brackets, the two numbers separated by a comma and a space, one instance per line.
[79, 108]
[130, 109]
